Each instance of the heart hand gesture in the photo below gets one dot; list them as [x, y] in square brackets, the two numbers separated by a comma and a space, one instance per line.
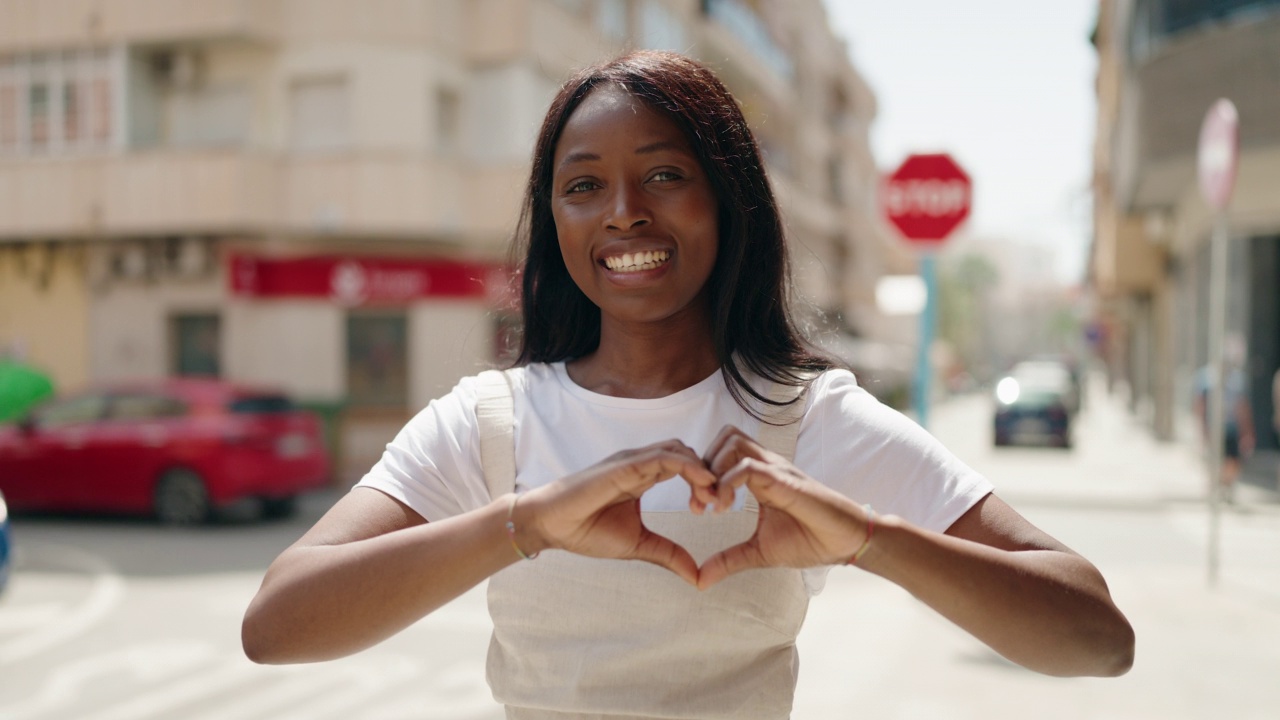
[596, 512]
[802, 522]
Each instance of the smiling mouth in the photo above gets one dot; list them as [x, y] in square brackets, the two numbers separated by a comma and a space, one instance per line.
[637, 262]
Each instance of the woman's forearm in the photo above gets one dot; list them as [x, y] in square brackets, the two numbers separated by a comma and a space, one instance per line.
[320, 601]
[1047, 610]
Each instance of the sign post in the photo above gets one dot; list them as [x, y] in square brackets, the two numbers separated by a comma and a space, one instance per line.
[1217, 158]
[926, 198]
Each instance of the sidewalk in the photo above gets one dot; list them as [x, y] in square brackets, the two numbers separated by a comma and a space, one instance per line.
[1136, 508]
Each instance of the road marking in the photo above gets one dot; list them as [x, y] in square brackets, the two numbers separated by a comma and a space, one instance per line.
[148, 663]
[370, 681]
[288, 689]
[201, 684]
[20, 617]
[104, 595]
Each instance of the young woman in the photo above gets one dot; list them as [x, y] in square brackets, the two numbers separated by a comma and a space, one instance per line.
[664, 409]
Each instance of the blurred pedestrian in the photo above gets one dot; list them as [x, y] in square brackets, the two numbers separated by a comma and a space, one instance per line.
[1238, 437]
[738, 465]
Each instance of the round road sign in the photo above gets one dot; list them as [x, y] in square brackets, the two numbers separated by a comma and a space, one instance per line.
[1218, 154]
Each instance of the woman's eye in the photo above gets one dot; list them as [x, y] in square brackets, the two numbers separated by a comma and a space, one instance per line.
[665, 176]
[580, 186]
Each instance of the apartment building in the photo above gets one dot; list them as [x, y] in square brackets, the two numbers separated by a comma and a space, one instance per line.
[1162, 64]
[318, 194]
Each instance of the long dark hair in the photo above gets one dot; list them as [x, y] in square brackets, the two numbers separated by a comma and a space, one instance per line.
[749, 288]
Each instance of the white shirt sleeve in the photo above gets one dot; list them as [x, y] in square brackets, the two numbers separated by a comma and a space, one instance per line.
[433, 464]
[874, 454]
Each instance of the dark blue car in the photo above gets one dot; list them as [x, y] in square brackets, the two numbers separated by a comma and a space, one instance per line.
[1034, 405]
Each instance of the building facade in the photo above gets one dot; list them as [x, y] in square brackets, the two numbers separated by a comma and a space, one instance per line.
[318, 194]
[1162, 64]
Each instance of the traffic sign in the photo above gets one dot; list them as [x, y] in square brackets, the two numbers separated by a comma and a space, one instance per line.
[927, 197]
[1218, 153]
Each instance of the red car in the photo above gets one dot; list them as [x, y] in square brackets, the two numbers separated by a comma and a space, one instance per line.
[177, 449]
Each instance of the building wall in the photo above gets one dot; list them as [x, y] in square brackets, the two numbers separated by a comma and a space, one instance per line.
[386, 128]
[43, 303]
[1153, 229]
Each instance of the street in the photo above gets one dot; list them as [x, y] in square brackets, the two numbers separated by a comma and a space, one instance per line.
[123, 619]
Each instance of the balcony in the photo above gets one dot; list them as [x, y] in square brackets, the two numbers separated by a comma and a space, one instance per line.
[210, 192]
[70, 23]
[1176, 84]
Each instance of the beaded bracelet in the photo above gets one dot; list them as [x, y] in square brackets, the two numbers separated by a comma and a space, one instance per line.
[511, 529]
[866, 542]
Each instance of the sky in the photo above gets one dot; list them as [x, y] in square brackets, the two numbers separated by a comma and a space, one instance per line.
[1005, 87]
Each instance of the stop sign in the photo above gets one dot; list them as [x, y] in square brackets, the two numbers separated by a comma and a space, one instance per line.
[927, 197]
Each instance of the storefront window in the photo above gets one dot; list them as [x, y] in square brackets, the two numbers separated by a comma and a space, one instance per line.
[197, 340]
[377, 360]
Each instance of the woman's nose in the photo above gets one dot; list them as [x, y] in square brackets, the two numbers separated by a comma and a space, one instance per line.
[627, 209]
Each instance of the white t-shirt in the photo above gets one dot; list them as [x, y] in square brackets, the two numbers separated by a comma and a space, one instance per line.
[848, 441]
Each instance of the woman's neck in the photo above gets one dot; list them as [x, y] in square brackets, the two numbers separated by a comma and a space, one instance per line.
[646, 360]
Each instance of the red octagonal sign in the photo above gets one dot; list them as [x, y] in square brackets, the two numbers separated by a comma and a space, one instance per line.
[927, 197]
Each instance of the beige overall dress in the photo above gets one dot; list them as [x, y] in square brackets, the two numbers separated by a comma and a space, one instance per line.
[580, 638]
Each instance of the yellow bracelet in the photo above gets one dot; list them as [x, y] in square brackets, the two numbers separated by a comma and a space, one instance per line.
[866, 542]
[511, 529]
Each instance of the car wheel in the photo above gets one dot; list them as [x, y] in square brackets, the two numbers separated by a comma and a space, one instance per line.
[279, 508]
[181, 498]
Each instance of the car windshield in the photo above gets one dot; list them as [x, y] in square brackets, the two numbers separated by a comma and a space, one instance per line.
[1034, 396]
[260, 404]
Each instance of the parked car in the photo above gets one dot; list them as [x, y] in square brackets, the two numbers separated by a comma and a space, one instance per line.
[6, 543]
[177, 449]
[1035, 403]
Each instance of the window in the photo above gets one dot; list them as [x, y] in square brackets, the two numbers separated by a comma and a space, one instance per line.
[319, 114]
[211, 116]
[38, 114]
[70, 113]
[100, 93]
[196, 343]
[56, 102]
[377, 360]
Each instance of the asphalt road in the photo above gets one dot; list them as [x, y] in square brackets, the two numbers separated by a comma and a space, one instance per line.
[109, 618]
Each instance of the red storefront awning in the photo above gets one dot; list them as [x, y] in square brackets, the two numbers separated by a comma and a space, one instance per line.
[354, 281]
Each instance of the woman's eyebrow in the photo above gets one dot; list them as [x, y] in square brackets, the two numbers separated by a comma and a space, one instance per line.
[660, 146]
[576, 157]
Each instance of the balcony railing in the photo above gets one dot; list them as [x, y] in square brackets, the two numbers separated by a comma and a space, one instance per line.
[218, 191]
[740, 20]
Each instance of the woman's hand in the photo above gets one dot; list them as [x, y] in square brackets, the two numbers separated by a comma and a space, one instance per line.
[596, 512]
[802, 523]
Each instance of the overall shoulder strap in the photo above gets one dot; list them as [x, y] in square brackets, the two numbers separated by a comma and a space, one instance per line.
[495, 418]
[779, 434]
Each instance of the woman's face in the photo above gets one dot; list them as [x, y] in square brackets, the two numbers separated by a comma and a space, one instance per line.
[634, 210]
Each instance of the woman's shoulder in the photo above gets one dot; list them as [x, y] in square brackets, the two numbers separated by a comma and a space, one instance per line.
[521, 380]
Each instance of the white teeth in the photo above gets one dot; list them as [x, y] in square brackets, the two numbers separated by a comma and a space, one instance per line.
[635, 262]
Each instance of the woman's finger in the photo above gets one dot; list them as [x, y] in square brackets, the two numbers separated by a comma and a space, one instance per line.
[729, 447]
[656, 549]
[744, 556]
